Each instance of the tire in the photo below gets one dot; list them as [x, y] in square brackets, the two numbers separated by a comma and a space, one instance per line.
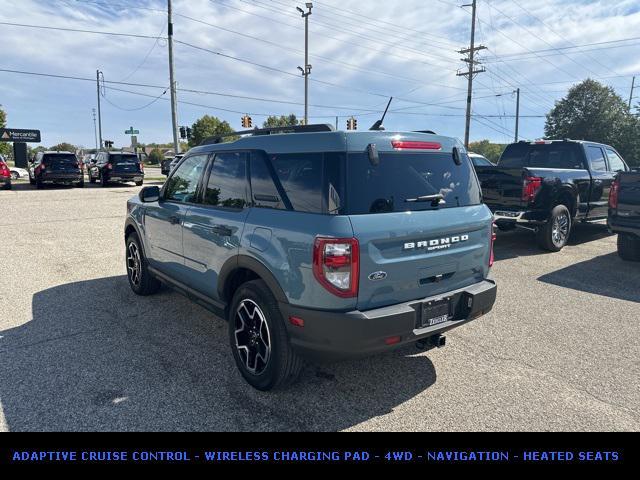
[282, 365]
[80, 184]
[144, 283]
[103, 181]
[39, 184]
[139, 184]
[31, 181]
[91, 179]
[14, 176]
[629, 247]
[554, 235]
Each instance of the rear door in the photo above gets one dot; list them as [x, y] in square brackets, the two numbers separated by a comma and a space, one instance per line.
[61, 163]
[124, 164]
[601, 180]
[213, 227]
[414, 249]
[164, 219]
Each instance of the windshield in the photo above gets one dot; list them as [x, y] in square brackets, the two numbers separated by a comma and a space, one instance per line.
[408, 182]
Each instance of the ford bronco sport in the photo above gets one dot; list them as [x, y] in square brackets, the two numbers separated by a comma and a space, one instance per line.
[318, 244]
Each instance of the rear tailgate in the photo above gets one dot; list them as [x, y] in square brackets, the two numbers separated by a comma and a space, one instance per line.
[61, 163]
[501, 187]
[125, 164]
[412, 255]
[629, 198]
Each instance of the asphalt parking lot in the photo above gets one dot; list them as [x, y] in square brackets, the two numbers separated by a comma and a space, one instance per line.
[79, 351]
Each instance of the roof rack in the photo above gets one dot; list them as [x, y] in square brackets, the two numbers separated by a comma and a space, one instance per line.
[322, 127]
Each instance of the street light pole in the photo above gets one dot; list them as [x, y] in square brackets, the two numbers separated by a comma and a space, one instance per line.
[307, 68]
[172, 80]
[95, 128]
[517, 112]
[98, 72]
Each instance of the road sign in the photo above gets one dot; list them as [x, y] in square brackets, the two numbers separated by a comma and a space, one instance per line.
[18, 135]
[131, 131]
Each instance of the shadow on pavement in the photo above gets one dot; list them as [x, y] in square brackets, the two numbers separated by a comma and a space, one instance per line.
[606, 275]
[522, 243]
[97, 357]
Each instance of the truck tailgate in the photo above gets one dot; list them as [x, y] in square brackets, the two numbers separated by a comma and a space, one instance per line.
[501, 187]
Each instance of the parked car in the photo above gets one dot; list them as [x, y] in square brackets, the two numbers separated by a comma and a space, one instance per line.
[165, 165]
[480, 160]
[61, 168]
[317, 244]
[176, 161]
[624, 214]
[17, 173]
[547, 186]
[116, 167]
[5, 175]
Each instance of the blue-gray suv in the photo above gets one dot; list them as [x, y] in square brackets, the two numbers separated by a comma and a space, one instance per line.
[318, 244]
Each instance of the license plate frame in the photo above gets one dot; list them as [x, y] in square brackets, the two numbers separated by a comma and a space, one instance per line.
[435, 312]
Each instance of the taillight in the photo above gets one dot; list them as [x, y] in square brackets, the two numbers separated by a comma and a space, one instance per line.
[613, 194]
[336, 265]
[407, 145]
[141, 166]
[4, 170]
[492, 241]
[530, 187]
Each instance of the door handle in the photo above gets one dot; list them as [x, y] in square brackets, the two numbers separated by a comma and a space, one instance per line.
[222, 230]
[173, 220]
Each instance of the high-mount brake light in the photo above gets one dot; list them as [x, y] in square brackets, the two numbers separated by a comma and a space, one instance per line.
[336, 265]
[412, 145]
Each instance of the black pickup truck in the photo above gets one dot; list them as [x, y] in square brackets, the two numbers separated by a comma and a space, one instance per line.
[624, 214]
[546, 186]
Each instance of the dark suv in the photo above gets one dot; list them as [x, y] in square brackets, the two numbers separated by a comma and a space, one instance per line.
[56, 168]
[116, 167]
[318, 244]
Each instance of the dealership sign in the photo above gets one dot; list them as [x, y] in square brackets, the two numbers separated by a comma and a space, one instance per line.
[18, 135]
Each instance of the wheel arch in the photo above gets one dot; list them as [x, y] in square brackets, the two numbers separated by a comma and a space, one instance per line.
[567, 195]
[242, 268]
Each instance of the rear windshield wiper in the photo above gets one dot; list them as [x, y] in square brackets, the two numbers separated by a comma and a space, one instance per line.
[435, 199]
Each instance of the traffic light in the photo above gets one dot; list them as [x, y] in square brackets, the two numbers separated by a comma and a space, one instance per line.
[352, 124]
[108, 144]
[183, 133]
[247, 122]
[188, 132]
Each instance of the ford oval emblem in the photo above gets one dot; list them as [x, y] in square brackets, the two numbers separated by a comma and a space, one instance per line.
[375, 276]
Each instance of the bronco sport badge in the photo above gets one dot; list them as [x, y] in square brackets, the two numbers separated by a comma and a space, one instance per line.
[436, 244]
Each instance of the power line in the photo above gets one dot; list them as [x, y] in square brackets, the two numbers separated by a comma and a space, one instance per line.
[76, 30]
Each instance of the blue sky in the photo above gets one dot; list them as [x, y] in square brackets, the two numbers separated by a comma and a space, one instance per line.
[361, 51]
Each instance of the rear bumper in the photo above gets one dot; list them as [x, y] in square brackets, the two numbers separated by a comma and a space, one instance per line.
[125, 177]
[61, 177]
[537, 217]
[328, 336]
[5, 181]
[617, 225]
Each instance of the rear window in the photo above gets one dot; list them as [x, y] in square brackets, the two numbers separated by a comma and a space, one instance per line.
[403, 176]
[115, 159]
[59, 158]
[549, 155]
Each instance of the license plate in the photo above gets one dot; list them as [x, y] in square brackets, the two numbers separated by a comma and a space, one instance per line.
[435, 312]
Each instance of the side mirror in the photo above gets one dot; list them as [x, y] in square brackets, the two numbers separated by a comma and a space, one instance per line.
[149, 194]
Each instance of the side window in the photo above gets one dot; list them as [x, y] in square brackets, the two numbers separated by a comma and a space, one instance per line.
[227, 185]
[616, 164]
[183, 184]
[596, 159]
[264, 191]
[301, 177]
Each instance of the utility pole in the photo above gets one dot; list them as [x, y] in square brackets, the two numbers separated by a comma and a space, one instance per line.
[517, 113]
[95, 128]
[470, 52]
[172, 80]
[306, 71]
[98, 72]
[633, 86]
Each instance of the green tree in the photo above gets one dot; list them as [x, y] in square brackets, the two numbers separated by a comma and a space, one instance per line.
[64, 146]
[491, 151]
[281, 121]
[592, 111]
[156, 156]
[206, 127]
[5, 148]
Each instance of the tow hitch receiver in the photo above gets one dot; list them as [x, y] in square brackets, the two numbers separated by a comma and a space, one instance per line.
[434, 341]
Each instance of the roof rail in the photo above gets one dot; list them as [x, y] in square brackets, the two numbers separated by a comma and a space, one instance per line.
[322, 127]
